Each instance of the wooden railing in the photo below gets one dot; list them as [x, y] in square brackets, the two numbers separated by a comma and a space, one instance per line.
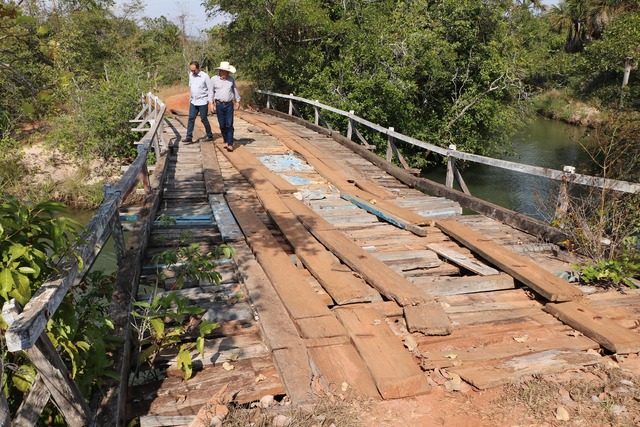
[566, 176]
[27, 326]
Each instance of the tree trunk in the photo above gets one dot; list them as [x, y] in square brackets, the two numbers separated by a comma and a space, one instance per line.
[627, 70]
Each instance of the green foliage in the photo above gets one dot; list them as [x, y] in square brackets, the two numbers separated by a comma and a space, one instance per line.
[167, 318]
[34, 239]
[164, 322]
[617, 272]
[12, 168]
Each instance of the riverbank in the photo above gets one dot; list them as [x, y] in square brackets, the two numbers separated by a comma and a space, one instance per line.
[557, 105]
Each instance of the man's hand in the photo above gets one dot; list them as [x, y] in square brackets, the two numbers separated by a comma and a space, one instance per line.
[237, 105]
[212, 107]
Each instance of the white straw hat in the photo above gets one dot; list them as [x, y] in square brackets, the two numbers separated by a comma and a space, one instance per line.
[225, 66]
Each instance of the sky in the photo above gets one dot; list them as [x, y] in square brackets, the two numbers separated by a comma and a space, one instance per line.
[195, 16]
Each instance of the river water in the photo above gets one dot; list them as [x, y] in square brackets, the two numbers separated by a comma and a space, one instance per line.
[545, 143]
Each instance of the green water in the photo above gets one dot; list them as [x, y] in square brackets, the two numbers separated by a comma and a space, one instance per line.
[545, 143]
[106, 261]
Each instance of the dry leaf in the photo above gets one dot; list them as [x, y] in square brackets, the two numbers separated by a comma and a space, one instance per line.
[377, 322]
[454, 384]
[227, 366]
[593, 351]
[562, 414]
[575, 333]
[260, 378]
[181, 398]
[450, 356]
[523, 338]
[233, 356]
[345, 386]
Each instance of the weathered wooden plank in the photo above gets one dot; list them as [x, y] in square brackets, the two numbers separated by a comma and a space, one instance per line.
[602, 330]
[544, 362]
[295, 372]
[224, 218]
[212, 175]
[539, 280]
[463, 260]
[338, 280]
[341, 364]
[297, 295]
[442, 286]
[485, 354]
[430, 319]
[32, 406]
[392, 367]
[166, 420]
[321, 327]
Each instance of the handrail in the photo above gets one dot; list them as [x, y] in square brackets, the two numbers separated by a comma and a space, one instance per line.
[568, 175]
[31, 322]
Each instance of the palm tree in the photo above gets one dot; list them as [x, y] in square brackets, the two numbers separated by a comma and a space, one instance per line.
[571, 16]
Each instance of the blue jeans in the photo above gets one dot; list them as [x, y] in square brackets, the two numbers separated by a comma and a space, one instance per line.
[194, 110]
[225, 120]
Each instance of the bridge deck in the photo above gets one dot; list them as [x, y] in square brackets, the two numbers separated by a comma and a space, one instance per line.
[297, 319]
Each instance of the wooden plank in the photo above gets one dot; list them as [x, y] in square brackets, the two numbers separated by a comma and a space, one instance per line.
[225, 221]
[295, 371]
[166, 421]
[485, 354]
[341, 364]
[211, 169]
[394, 371]
[321, 327]
[442, 286]
[381, 213]
[430, 319]
[374, 271]
[602, 330]
[462, 260]
[337, 279]
[32, 406]
[544, 362]
[539, 280]
[298, 297]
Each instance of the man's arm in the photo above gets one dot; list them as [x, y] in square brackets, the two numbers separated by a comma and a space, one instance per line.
[210, 90]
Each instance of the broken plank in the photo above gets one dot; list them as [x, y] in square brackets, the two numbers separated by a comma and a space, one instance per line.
[212, 175]
[602, 330]
[394, 371]
[539, 280]
[251, 166]
[430, 319]
[166, 421]
[462, 260]
[321, 327]
[544, 362]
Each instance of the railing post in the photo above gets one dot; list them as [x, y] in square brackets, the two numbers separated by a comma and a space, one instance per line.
[268, 101]
[317, 118]
[290, 105]
[563, 195]
[451, 165]
[350, 125]
[118, 238]
[389, 145]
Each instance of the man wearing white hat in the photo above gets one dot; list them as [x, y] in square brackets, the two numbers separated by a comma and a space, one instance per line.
[225, 92]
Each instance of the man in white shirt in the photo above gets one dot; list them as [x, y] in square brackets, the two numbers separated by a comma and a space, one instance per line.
[224, 93]
[200, 101]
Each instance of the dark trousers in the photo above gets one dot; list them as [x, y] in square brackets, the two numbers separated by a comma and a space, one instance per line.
[225, 120]
[194, 110]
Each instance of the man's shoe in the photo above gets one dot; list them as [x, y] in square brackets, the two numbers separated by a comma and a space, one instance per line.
[187, 141]
[207, 138]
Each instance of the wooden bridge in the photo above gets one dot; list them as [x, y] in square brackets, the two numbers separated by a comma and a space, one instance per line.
[350, 275]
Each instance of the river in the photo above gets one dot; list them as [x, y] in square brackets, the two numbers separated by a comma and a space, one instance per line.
[545, 143]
